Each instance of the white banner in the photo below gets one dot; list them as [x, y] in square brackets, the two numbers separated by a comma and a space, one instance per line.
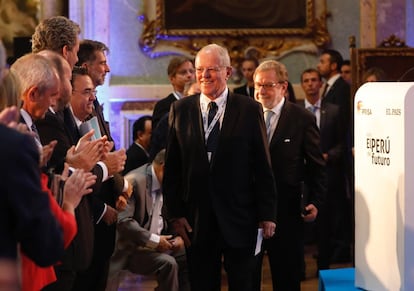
[384, 186]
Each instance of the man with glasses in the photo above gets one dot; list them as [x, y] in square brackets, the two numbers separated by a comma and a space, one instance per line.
[293, 138]
[83, 95]
[180, 72]
[94, 276]
[218, 185]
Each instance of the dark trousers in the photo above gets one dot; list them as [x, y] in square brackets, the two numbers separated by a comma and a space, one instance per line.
[96, 276]
[205, 258]
[285, 254]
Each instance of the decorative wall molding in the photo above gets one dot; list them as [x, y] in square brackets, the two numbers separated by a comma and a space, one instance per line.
[156, 40]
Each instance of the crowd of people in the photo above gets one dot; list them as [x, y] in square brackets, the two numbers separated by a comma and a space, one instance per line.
[214, 178]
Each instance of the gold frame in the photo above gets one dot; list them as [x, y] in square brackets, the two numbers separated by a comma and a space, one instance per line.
[156, 40]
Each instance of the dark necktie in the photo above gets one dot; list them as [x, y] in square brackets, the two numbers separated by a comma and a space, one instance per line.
[325, 90]
[213, 136]
[250, 91]
[314, 109]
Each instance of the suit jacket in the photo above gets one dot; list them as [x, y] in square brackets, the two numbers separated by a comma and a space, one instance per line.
[79, 254]
[332, 142]
[236, 187]
[242, 90]
[61, 126]
[340, 94]
[106, 194]
[25, 213]
[51, 128]
[159, 137]
[136, 157]
[296, 159]
[133, 222]
[161, 108]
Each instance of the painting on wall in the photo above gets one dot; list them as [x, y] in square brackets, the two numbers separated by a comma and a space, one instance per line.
[275, 29]
[229, 14]
[18, 18]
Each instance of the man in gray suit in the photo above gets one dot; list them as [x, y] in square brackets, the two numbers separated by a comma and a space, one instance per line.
[142, 247]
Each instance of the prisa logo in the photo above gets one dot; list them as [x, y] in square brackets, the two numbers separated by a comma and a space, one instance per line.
[361, 109]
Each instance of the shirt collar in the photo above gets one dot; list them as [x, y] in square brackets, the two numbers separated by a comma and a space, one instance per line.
[155, 183]
[26, 117]
[317, 104]
[177, 95]
[138, 144]
[277, 108]
[77, 120]
[333, 79]
[220, 100]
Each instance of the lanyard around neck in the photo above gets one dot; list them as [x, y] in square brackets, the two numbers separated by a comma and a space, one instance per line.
[209, 128]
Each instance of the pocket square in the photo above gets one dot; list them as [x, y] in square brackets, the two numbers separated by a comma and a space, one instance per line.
[287, 140]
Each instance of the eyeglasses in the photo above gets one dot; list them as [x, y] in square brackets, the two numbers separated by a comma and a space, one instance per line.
[267, 86]
[210, 70]
[87, 92]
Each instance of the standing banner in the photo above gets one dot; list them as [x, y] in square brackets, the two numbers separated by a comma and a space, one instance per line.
[384, 186]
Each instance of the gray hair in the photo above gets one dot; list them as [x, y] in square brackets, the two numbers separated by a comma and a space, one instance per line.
[221, 51]
[35, 70]
[277, 67]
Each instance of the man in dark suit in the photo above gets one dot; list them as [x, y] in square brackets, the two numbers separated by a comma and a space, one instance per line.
[180, 71]
[296, 160]
[248, 67]
[218, 185]
[79, 254]
[137, 153]
[337, 91]
[83, 97]
[331, 218]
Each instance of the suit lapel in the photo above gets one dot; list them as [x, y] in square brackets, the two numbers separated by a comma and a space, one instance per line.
[197, 117]
[71, 126]
[323, 118]
[281, 124]
[231, 115]
[148, 189]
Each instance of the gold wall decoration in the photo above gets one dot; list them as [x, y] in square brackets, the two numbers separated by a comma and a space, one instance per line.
[163, 35]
